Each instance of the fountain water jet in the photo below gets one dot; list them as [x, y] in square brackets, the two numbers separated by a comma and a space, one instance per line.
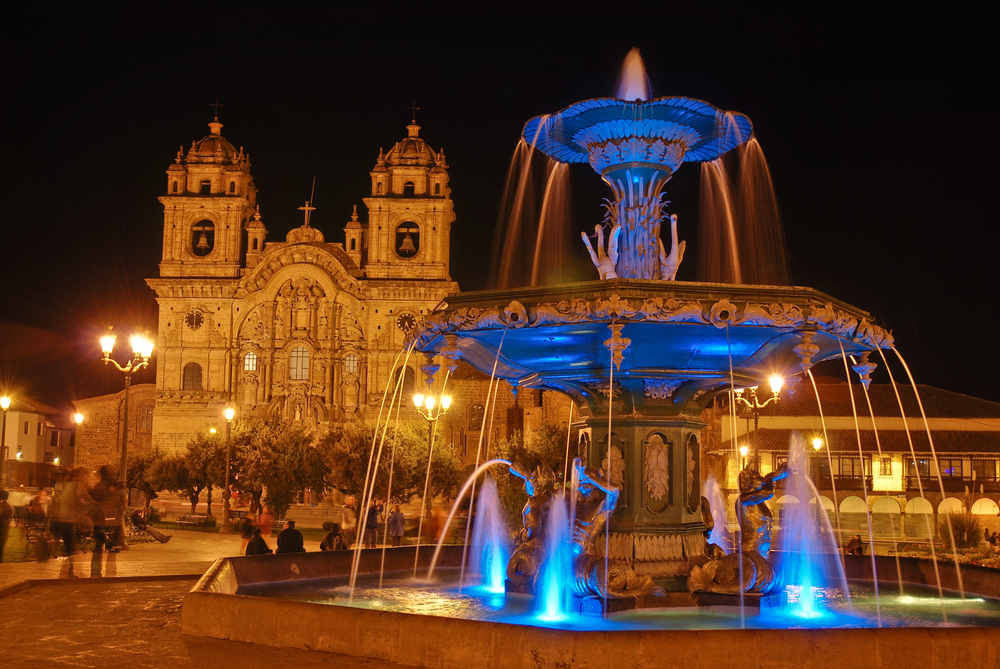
[490, 550]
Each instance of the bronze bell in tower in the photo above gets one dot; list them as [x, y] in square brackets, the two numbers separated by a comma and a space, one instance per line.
[407, 245]
[202, 244]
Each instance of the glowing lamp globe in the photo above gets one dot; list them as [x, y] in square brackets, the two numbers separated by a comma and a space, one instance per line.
[776, 383]
[4, 402]
[418, 400]
[141, 346]
[78, 417]
[429, 402]
[108, 343]
[817, 444]
[229, 413]
[445, 402]
[744, 450]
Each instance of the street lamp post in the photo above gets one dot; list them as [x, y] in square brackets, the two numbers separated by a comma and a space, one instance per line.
[425, 405]
[142, 349]
[4, 404]
[754, 406]
[227, 526]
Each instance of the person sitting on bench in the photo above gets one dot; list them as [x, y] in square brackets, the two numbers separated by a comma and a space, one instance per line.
[854, 546]
[140, 524]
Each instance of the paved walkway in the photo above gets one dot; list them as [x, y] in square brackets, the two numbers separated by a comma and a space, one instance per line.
[130, 622]
[133, 625]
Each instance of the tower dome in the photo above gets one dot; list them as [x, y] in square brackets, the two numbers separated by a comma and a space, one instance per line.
[412, 150]
[213, 148]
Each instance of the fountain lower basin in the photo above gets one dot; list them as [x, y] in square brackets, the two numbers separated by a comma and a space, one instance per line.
[215, 608]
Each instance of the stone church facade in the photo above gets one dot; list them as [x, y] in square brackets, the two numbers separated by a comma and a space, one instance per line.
[304, 329]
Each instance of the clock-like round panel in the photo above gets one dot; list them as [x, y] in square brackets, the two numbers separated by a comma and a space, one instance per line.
[406, 322]
[194, 320]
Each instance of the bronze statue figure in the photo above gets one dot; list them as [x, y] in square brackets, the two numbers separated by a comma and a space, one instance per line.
[522, 568]
[722, 573]
[593, 576]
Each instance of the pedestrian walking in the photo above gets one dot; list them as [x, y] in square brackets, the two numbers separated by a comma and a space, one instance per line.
[371, 523]
[397, 524]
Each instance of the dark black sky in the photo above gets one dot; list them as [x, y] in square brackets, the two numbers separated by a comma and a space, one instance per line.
[880, 128]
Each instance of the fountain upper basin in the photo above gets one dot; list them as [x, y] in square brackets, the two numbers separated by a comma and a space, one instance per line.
[680, 337]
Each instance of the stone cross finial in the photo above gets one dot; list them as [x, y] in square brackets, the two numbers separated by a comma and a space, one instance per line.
[414, 109]
[308, 208]
[216, 105]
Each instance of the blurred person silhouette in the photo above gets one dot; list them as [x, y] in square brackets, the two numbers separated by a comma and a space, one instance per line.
[248, 526]
[257, 545]
[265, 521]
[371, 523]
[349, 520]
[70, 514]
[397, 525]
[6, 513]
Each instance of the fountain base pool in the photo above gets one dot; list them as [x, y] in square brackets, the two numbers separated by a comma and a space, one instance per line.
[219, 607]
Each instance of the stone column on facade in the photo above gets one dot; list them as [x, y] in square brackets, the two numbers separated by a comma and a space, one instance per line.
[267, 378]
[333, 389]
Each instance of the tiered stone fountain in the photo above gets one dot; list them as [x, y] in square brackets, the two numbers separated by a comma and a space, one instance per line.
[656, 350]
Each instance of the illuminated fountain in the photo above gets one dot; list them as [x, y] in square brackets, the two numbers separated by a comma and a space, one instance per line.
[641, 355]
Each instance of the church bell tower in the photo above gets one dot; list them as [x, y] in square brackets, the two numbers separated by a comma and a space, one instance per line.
[410, 212]
[210, 199]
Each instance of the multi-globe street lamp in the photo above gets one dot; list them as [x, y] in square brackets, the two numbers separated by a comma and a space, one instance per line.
[4, 404]
[754, 406]
[142, 349]
[425, 405]
[227, 526]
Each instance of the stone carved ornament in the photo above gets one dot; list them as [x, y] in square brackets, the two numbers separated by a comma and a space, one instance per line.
[656, 469]
[660, 389]
[656, 310]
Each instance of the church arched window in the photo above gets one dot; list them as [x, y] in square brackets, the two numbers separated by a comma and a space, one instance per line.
[354, 244]
[408, 381]
[378, 188]
[232, 186]
[202, 238]
[298, 364]
[174, 185]
[254, 243]
[206, 186]
[351, 363]
[437, 189]
[408, 188]
[192, 376]
[250, 362]
[407, 239]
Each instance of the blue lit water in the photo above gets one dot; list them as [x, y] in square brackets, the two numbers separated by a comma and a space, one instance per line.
[916, 607]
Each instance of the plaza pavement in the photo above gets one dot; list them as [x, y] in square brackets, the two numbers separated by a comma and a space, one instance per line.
[133, 617]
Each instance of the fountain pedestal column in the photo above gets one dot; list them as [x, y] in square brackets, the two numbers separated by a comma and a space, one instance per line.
[656, 462]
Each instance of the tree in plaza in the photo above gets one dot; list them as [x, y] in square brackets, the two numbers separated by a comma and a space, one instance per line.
[276, 457]
[347, 450]
[192, 472]
[140, 465]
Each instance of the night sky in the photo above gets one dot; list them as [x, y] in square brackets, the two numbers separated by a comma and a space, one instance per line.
[880, 128]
